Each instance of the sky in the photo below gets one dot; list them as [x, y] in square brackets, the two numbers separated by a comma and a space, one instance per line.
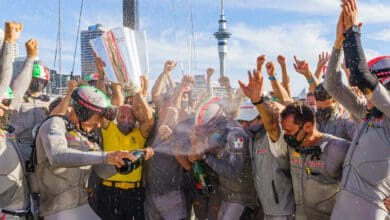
[290, 27]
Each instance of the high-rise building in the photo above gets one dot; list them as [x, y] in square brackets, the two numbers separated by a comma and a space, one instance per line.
[88, 64]
[222, 36]
[16, 46]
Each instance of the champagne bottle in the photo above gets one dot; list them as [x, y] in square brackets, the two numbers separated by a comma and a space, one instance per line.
[202, 181]
[130, 166]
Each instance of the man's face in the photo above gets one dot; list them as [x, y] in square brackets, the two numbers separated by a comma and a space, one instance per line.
[291, 128]
[92, 123]
[311, 100]
[125, 115]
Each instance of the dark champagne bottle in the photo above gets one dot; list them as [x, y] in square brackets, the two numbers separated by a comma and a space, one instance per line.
[202, 181]
[130, 166]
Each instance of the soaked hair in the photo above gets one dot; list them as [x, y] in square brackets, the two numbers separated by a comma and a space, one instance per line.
[302, 113]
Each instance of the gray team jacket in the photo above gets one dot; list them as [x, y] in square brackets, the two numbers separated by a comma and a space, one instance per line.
[338, 126]
[64, 161]
[366, 174]
[13, 187]
[316, 180]
[233, 165]
[272, 178]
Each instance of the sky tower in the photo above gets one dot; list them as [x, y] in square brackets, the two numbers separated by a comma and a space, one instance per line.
[222, 35]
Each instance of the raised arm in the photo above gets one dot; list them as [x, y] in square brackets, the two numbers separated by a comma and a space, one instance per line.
[333, 82]
[277, 87]
[285, 76]
[254, 91]
[22, 82]
[143, 113]
[11, 35]
[356, 61]
[302, 67]
[209, 74]
[175, 101]
[323, 58]
[160, 82]
[62, 107]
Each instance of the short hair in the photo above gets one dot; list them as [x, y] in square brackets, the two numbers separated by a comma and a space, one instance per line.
[302, 113]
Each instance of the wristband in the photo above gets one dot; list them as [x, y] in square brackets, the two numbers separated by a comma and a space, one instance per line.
[310, 81]
[259, 102]
[271, 78]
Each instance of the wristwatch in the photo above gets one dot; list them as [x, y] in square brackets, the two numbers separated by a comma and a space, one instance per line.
[258, 102]
[353, 29]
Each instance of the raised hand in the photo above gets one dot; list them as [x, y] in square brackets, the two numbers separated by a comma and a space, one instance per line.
[270, 66]
[144, 85]
[254, 89]
[323, 58]
[259, 62]
[210, 71]
[72, 85]
[301, 66]
[281, 60]
[169, 66]
[350, 13]
[224, 81]
[187, 80]
[340, 32]
[165, 131]
[32, 48]
[12, 32]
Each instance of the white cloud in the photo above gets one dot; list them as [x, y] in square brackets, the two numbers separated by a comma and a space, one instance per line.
[383, 35]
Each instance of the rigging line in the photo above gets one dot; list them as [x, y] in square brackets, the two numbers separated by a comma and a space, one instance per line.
[77, 39]
[176, 37]
[193, 35]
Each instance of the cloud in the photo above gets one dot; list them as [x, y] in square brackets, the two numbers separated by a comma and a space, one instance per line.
[383, 35]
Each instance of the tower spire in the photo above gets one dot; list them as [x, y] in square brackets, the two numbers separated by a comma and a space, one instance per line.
[222, 36]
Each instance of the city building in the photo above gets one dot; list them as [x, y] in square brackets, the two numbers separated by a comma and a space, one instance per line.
[88, 64]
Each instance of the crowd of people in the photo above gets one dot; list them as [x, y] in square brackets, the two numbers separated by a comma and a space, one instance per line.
[103, 151]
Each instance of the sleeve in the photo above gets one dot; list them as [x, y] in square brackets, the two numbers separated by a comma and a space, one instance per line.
[104, 170]
[22, 82]
[381, 99]
[340, 92]
[54, 143]
[5, 66]
[231, 165]
[279, 148]
[356, 62]
[337, 150]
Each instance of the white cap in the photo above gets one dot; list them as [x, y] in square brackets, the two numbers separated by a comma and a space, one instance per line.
[248, 112]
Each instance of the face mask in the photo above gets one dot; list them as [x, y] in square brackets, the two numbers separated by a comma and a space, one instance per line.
[292, 141]
[375, 113]
[323, 114]
[37, 86]
[126, 128]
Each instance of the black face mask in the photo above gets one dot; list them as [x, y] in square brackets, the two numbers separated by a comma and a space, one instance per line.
[292, 141]
[375, 113]
[37, 85]
[126, 128]
[323, 114]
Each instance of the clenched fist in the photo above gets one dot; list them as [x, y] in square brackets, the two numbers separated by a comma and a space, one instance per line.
[12, 32]
[32, 48]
